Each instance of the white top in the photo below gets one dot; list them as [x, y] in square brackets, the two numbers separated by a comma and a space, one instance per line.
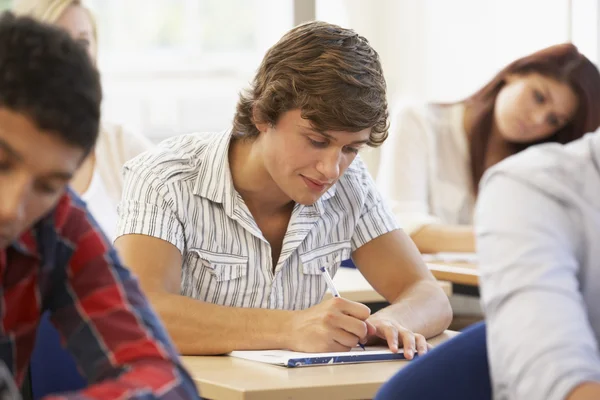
[182, 192]
[424, 168]
[538, 227]
[101, 205]
[115, 146]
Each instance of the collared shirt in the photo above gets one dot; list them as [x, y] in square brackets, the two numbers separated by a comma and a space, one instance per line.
[65, 265]
[424, 168]
[538, 227]
[182, 192]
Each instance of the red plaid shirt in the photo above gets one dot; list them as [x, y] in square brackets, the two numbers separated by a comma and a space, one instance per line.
[66, 265]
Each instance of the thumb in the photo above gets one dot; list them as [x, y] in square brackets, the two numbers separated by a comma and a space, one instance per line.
[371, 329]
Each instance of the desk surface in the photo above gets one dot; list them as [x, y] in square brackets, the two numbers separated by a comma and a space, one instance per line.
[228, 378]
[352, 285]
[458, 273]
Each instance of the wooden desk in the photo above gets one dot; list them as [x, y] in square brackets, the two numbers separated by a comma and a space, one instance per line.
[228, 378]
[456, 273]
[352, 285]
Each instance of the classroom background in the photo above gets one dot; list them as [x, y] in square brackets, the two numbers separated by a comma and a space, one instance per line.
[176, 66]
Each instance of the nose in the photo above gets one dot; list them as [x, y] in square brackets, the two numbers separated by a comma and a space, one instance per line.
[539, 118]
[329, 164]
[12, 204]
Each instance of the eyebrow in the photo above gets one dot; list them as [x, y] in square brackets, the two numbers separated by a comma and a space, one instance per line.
[328, 136]
[12, 152]
[61, 175]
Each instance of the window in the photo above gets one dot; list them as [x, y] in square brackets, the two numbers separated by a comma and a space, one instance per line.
[175, 66]
[187, 35]
[444, 50]
[585, 24]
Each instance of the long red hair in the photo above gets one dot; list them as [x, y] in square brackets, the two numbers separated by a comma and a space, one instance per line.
[562, 62]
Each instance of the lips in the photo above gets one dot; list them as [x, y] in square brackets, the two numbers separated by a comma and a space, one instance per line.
[314, 185]
[523, 127]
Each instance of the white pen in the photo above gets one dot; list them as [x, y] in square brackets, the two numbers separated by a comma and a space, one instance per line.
[329, 281]
[333, 290]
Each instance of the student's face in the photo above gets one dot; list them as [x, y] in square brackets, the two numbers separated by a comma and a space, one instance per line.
[76, 20]
[35, 167]
[532, 107]
[305, 163]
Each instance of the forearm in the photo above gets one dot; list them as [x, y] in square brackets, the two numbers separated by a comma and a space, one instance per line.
[202, 328]
[437, 238]
[422, 308]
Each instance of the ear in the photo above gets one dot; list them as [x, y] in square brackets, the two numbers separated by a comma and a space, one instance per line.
[261, 126]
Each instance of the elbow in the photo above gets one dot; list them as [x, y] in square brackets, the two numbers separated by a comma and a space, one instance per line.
[446, 314]
[444, 309]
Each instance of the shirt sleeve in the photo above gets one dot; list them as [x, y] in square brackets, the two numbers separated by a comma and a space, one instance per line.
[376, 218]
[540, 343]
[403, 175]
[147, 207]
[108, 325]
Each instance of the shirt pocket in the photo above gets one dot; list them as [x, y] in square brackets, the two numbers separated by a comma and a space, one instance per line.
[313, 285]
[221, 266]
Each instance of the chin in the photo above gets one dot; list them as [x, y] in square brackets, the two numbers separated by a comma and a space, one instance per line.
[305, 200]
[518, 139]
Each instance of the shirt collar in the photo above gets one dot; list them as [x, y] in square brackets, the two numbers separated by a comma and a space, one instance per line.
[214, 176]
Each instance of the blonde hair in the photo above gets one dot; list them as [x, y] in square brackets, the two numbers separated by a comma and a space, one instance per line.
[49, 11]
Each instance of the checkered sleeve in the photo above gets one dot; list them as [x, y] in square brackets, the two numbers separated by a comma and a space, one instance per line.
[107, 323]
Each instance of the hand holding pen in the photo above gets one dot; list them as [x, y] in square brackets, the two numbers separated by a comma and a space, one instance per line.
[330, 326]
[332, 289]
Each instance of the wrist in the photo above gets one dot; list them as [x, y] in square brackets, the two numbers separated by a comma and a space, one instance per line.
[284, 329]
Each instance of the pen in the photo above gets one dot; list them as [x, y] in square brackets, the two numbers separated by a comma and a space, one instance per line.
[332, 289]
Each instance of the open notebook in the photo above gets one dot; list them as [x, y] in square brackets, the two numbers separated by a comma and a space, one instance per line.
[293, 359]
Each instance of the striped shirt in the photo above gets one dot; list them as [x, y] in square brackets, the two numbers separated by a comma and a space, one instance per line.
[182, 192]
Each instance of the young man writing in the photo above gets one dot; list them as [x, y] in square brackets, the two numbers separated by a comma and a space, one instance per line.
[228, 232]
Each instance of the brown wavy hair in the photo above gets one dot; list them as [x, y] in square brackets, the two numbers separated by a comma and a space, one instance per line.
[562, 62]
[330, 73]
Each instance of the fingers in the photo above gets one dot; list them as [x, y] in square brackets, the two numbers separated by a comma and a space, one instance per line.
[345, 339]
[413, 343]
[407, 338]
[421, 344]
[390, 333]
[355, 327]
[371, 329]
[356, 310]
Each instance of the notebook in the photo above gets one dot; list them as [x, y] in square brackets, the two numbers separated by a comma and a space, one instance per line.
[292, 359]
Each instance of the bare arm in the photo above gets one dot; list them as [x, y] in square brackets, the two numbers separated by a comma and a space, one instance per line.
[394, 267]
[437, 238]
[196, 327]
[203, 328]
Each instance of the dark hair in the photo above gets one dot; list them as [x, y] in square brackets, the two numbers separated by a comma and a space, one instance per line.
[48, 77]
[562, 62]
[330, 73]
